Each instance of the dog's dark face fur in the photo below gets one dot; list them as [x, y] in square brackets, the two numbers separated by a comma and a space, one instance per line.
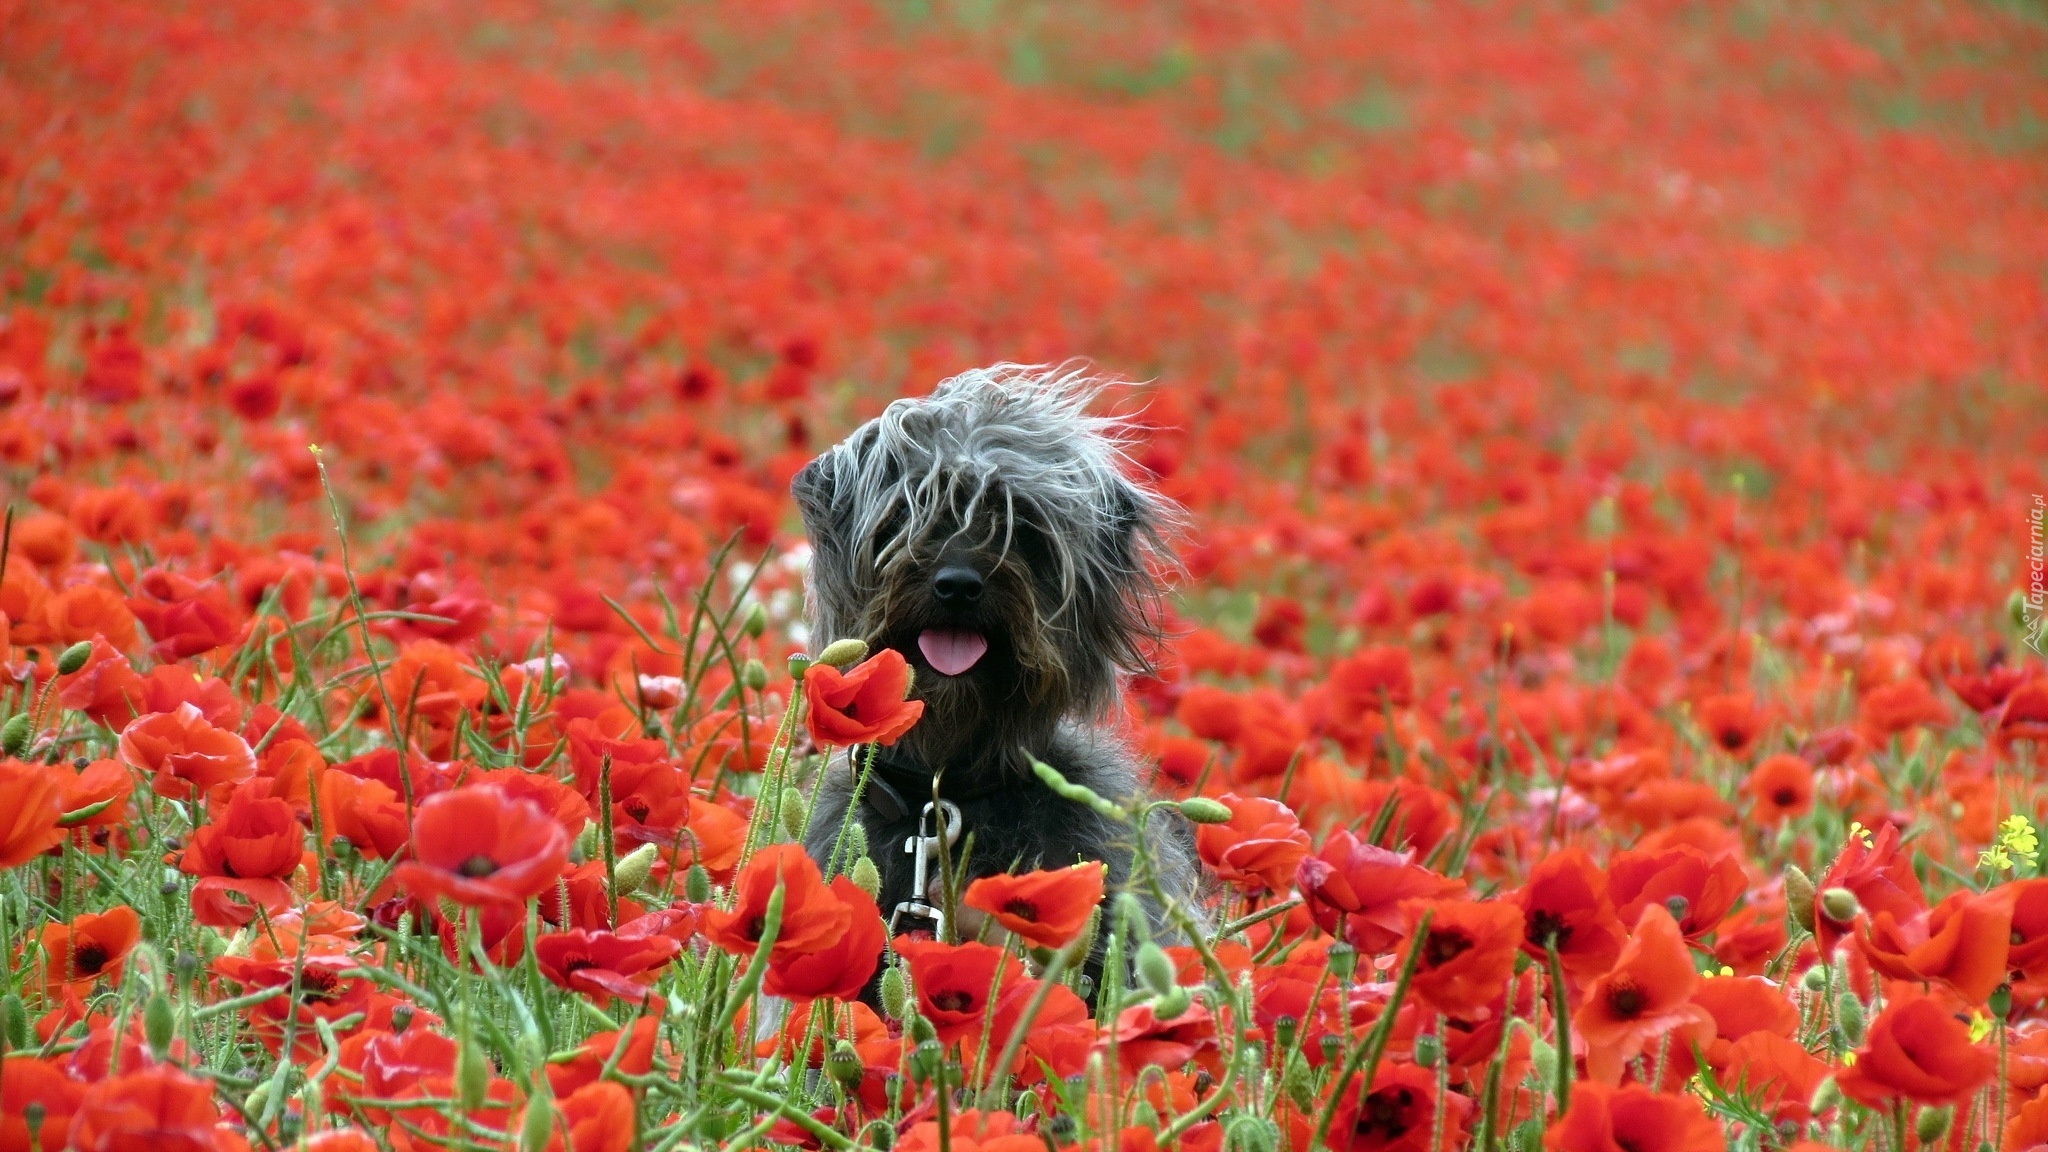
[991, 513]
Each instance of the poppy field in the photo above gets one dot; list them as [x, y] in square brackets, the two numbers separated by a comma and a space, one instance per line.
[1606, 679]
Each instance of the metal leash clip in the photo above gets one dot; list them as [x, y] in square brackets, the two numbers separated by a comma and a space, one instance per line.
[925, 902]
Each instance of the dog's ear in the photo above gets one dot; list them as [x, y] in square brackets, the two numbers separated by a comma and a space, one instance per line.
[1130, 515]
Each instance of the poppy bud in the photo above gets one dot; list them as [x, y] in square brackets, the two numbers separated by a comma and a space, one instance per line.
[472, 1076]
[1932, 1123]
[867, 877]
[14, 1020]
[1343, 959]
[1543, 1057]
[795, 816]
[16, 734]
[799, 664]
[1251, 1134]
[844, 1065]
[756, 621]
[1816, 978]
[856, 840]
[1155, 969]
[1799, 897]
[1298, 1082]
[1840, 905]
[159, 1024]
[1850, 1018]
[754, 674]
[633, 868]
[539, 1123]
[1203, 810]
[893, 992]
[1428, 1050]
[1145, 1116]
[697, 884]
[1172, 1005]
[843, 653]
[921, 1029]
[74, 657]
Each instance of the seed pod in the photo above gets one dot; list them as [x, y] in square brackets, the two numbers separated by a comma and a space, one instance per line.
[844, 1065]
[1932, 1123]
[16, 734]
[1678, 906]
[1155, 969]
[754, 674]
[799, 663]
[867, 877]
[1203, 810]
[74, 658]
[1428, 1049]
[1343, 960]
[159, 1025]
[2000, 1002]
[697, 884]
[795, 815]
[1850, 1018]
[1840, 905]
[926, 1060]
[1799, 897]
[756, 621]
[539, 1123]
[843, 653]
[634, 867]
[893, 992]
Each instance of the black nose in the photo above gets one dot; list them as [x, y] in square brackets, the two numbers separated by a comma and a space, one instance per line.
[955, 586]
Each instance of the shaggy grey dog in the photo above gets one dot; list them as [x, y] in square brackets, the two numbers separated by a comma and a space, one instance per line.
[989, 534]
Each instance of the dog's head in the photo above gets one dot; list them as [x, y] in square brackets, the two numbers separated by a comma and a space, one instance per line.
[989, 534]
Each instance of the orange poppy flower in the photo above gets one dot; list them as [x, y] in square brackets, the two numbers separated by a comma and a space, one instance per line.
[1697, 888]
[1258, 848]
[1648, 994]
[636, 1057]
[972, 1131]
[865, 704]
[1565, 902]
[813, 916]
[1732, 721]
[1467, 955]
[599, 1117]
[1775, 1071]
[88, 611]
[603, 964]
[107, 688]
[1048, 908]
[1781, 788]
[185, 753]
[2029, 951]
[953, 982]
[1361, 886]
[1881, 878]
[479, 845]
[842, 968]
[1144, 1040]
[255, 836]
[158, 1107]
[31, 798]
[1890, 709]
[25, 1081]
[91, 946]
[1603, 1118]
[1919, 1050]
[1962, 943]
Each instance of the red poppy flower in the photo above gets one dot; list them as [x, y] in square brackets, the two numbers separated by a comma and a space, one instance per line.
[157, 1108]
[1258, 848]
[1881, 878]
[226, 902]
[1918, 1050]
[397, 1065]
[863, 705]
[1648, 994]
[107, 689]
[255, 836]
[1361, 886]
[185, 753]
[1144, 1040]
[1398, 1113]
[27, 1080]
[1962, 943]
[1603, 1118]
[842, 968]
[1467, 954]
[953, 982]
[367, 813]
[972, 1131]
[1697, 889]
[1734, 722]
[599, 1117]
[1890, 709]
[813, 916]
[1048, 908]
[2024, 715]
[1210, 712]
[602, 964]
[91, 946]
[635, 1056]
[2029, 952]
[31, 798]
[1775, 1071]
[1781, 787]
[477, 845]
[1565, 902]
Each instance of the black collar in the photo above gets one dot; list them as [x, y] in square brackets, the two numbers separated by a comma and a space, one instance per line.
[900, 787]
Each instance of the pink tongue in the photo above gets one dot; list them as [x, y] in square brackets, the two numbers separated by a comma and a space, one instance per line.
[951, 653]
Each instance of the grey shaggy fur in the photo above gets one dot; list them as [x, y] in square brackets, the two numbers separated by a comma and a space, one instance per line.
[1004, 470]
